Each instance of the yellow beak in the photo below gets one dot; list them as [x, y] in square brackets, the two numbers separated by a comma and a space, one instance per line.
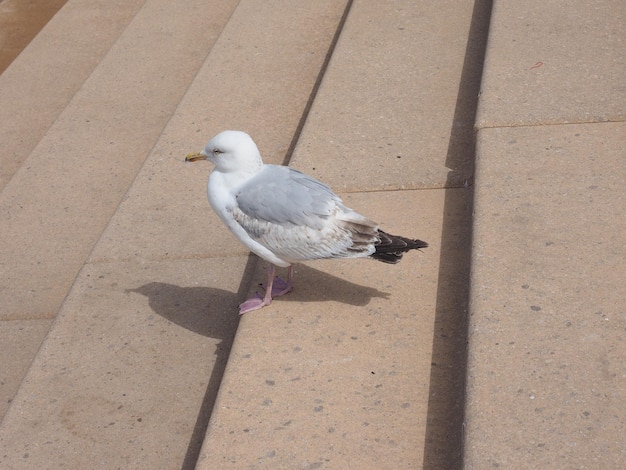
[194, 157]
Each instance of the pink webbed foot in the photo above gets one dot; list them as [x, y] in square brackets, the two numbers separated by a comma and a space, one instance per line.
[275, 288]
[254, 303]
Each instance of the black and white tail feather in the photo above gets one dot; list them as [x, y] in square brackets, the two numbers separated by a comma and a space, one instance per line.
[390, 248]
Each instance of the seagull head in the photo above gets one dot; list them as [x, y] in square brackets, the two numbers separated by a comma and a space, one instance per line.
[230, 151]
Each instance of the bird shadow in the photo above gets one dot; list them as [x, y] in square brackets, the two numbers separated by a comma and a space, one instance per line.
[213, 313]
[313, 285]
[209, 312]
[202, 310]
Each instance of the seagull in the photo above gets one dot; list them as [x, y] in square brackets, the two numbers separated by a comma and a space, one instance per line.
[285, 216]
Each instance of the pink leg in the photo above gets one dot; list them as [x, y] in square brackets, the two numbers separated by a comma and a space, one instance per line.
[275, 287]
[281, 287]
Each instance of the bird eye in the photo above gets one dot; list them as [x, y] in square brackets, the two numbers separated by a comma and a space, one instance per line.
[217, 151]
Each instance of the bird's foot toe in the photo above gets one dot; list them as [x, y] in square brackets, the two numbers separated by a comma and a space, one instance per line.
[255, 303]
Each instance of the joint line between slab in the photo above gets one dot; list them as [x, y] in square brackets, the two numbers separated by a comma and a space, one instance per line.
[542, 124]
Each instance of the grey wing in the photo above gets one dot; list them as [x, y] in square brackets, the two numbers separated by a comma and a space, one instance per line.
[298, 218]
[282, 195]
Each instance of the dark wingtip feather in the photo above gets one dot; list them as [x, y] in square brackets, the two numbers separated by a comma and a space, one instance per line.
[390, 248]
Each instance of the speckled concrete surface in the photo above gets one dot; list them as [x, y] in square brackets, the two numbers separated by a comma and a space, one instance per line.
[130, 360]
[20, 341]
[176, 219]
[337, 373]
[42, 80]
[547, 375]
[554, 62]
[363, 364]
[57, 96]
[412, 415]
[388, 100]
[20, 22]
[91, 154]
[106, 383]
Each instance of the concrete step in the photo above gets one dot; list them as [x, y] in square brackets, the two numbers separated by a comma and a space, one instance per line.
[128, 372]
[361, 366]
[41, 81]
[107, 92]
[546, 375]
[34, 91]
[20, 22]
